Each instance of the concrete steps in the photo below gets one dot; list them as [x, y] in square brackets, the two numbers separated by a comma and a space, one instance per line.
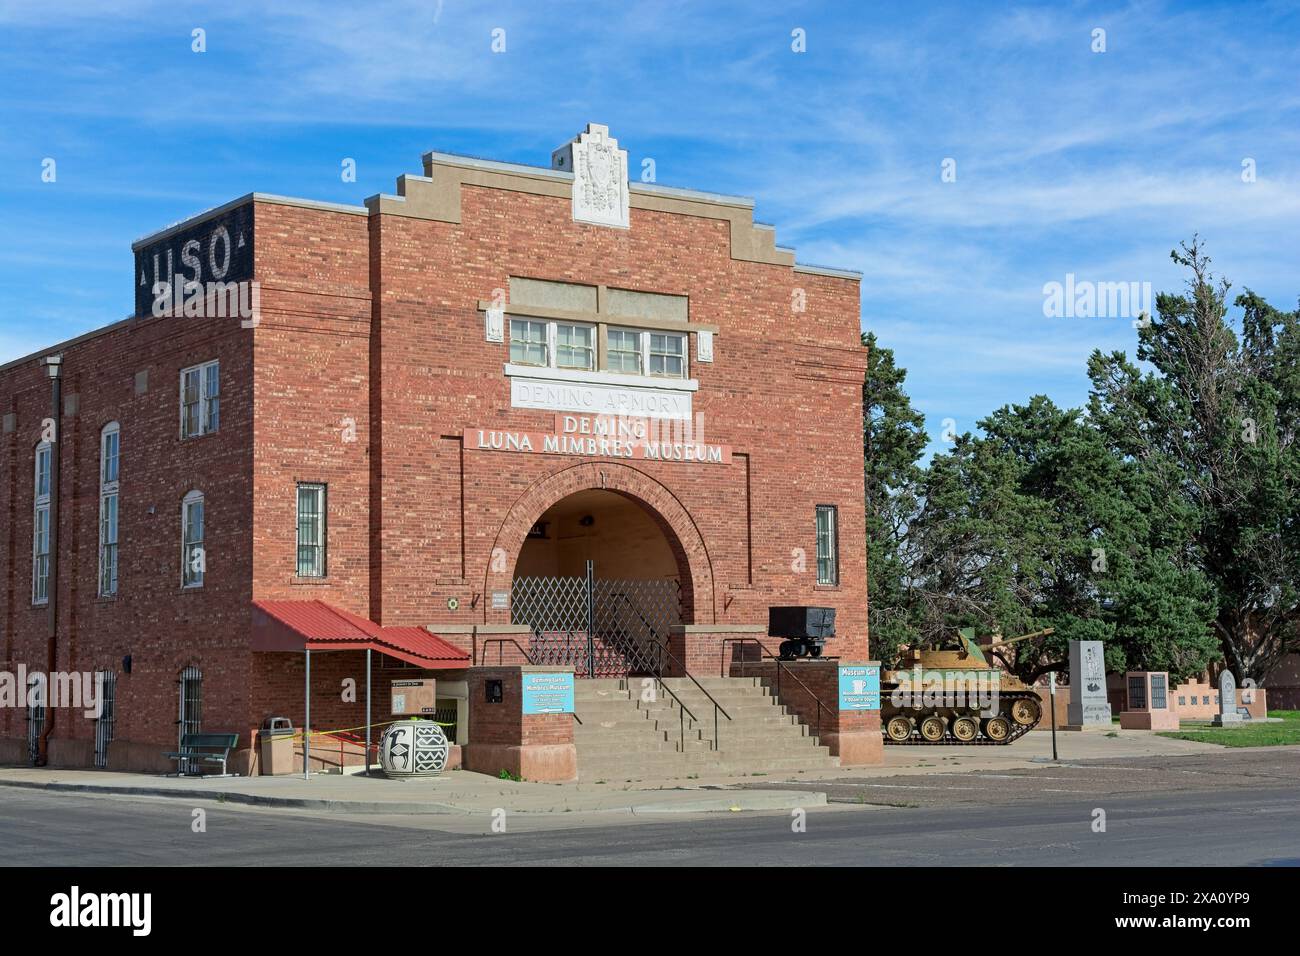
[623, 735]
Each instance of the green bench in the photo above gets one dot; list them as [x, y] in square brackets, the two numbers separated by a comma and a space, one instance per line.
[198, 749]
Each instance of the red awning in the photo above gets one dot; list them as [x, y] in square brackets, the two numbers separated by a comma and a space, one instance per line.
[317, 626]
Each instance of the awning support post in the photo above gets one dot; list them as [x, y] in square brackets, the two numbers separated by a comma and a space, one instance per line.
[306, 728]
[367, 712]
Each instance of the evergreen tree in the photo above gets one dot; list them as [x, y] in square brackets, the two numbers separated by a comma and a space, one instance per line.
[893, 442]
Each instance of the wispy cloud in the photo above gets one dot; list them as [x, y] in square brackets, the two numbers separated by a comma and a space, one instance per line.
[1067, 160]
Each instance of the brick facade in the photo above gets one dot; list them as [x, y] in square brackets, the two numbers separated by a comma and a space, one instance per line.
[368, 365]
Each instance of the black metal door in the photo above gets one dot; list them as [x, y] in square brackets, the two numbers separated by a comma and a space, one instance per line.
[600, 627]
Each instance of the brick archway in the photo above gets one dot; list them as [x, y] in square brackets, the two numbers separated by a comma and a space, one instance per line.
[694, 565]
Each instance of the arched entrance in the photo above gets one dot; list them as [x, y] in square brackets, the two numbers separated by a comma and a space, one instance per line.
[602, 562]
[611, 529]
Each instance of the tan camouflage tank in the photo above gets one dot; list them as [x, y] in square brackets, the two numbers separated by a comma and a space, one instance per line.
[956, 696]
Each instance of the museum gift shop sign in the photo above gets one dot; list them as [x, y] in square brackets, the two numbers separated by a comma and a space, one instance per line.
[602, 436]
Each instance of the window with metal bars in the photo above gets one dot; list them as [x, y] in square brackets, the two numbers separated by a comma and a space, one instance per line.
[311, 530]
[35, 717]
[828, 561]
[191, 701]
[107, 716]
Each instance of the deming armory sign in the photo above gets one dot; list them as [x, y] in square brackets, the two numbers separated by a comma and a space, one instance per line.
[599, 398]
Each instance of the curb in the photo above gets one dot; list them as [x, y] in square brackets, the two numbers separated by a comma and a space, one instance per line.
[249, 799]
[737, 801]
[728, 801]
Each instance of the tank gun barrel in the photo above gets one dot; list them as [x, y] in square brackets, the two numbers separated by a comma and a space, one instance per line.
[1023, 637]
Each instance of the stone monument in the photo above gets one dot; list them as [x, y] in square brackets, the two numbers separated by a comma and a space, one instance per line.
[1148, 702]
[1088, 705]
[1227, 714]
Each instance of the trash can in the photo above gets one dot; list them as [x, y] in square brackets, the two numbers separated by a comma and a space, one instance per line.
[276, 740]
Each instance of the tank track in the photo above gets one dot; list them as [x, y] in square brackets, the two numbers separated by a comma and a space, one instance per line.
[948, 740]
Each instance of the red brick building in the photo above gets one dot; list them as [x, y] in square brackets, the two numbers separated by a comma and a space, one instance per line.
[429, 405]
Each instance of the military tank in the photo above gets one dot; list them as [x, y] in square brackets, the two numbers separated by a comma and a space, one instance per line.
[956, 696]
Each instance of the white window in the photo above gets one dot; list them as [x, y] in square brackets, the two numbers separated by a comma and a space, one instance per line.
[623, 351]
[194, 558]
[667, 354]
[311, 531]
[528, 342]
[41, 526]
[572, 346]
[575, 346]
[200, 399]
[828, 547]
[109, 453]
[567, 345]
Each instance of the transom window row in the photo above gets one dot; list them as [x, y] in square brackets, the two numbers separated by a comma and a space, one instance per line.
[574, 346]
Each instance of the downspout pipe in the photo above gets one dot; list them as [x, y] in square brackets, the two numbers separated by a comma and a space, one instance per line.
[53, 367]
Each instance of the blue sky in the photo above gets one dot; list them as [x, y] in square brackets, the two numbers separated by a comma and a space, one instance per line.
[1067, 160]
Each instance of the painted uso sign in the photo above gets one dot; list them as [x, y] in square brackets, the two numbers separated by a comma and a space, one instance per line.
[218, 249]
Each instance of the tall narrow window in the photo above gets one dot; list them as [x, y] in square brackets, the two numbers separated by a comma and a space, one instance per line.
[190, 718]
[193, 556]
[200, 399]
[107, 715]
[311, 531]
[109, 453]
[41, 526]
[828, 546]
[37, 692]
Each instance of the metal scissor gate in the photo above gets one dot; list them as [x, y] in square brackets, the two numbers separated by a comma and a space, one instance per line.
[600, 627]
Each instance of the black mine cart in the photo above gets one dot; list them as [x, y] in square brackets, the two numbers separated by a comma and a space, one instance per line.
[804, 629]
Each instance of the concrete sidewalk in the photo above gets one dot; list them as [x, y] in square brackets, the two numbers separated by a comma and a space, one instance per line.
[454, 792]
[463, 792]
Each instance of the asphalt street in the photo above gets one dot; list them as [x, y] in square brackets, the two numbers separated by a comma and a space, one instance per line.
[1241, 771]
[1246, 813]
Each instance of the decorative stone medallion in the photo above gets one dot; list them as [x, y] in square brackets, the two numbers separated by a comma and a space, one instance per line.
[413, 748]
[599, 170]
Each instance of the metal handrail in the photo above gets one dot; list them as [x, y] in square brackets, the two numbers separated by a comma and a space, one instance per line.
[500, 641]
[662, 647]
[780, 666]
[510, 640]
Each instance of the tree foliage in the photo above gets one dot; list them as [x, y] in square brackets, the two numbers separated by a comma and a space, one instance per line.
[1160, 520]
